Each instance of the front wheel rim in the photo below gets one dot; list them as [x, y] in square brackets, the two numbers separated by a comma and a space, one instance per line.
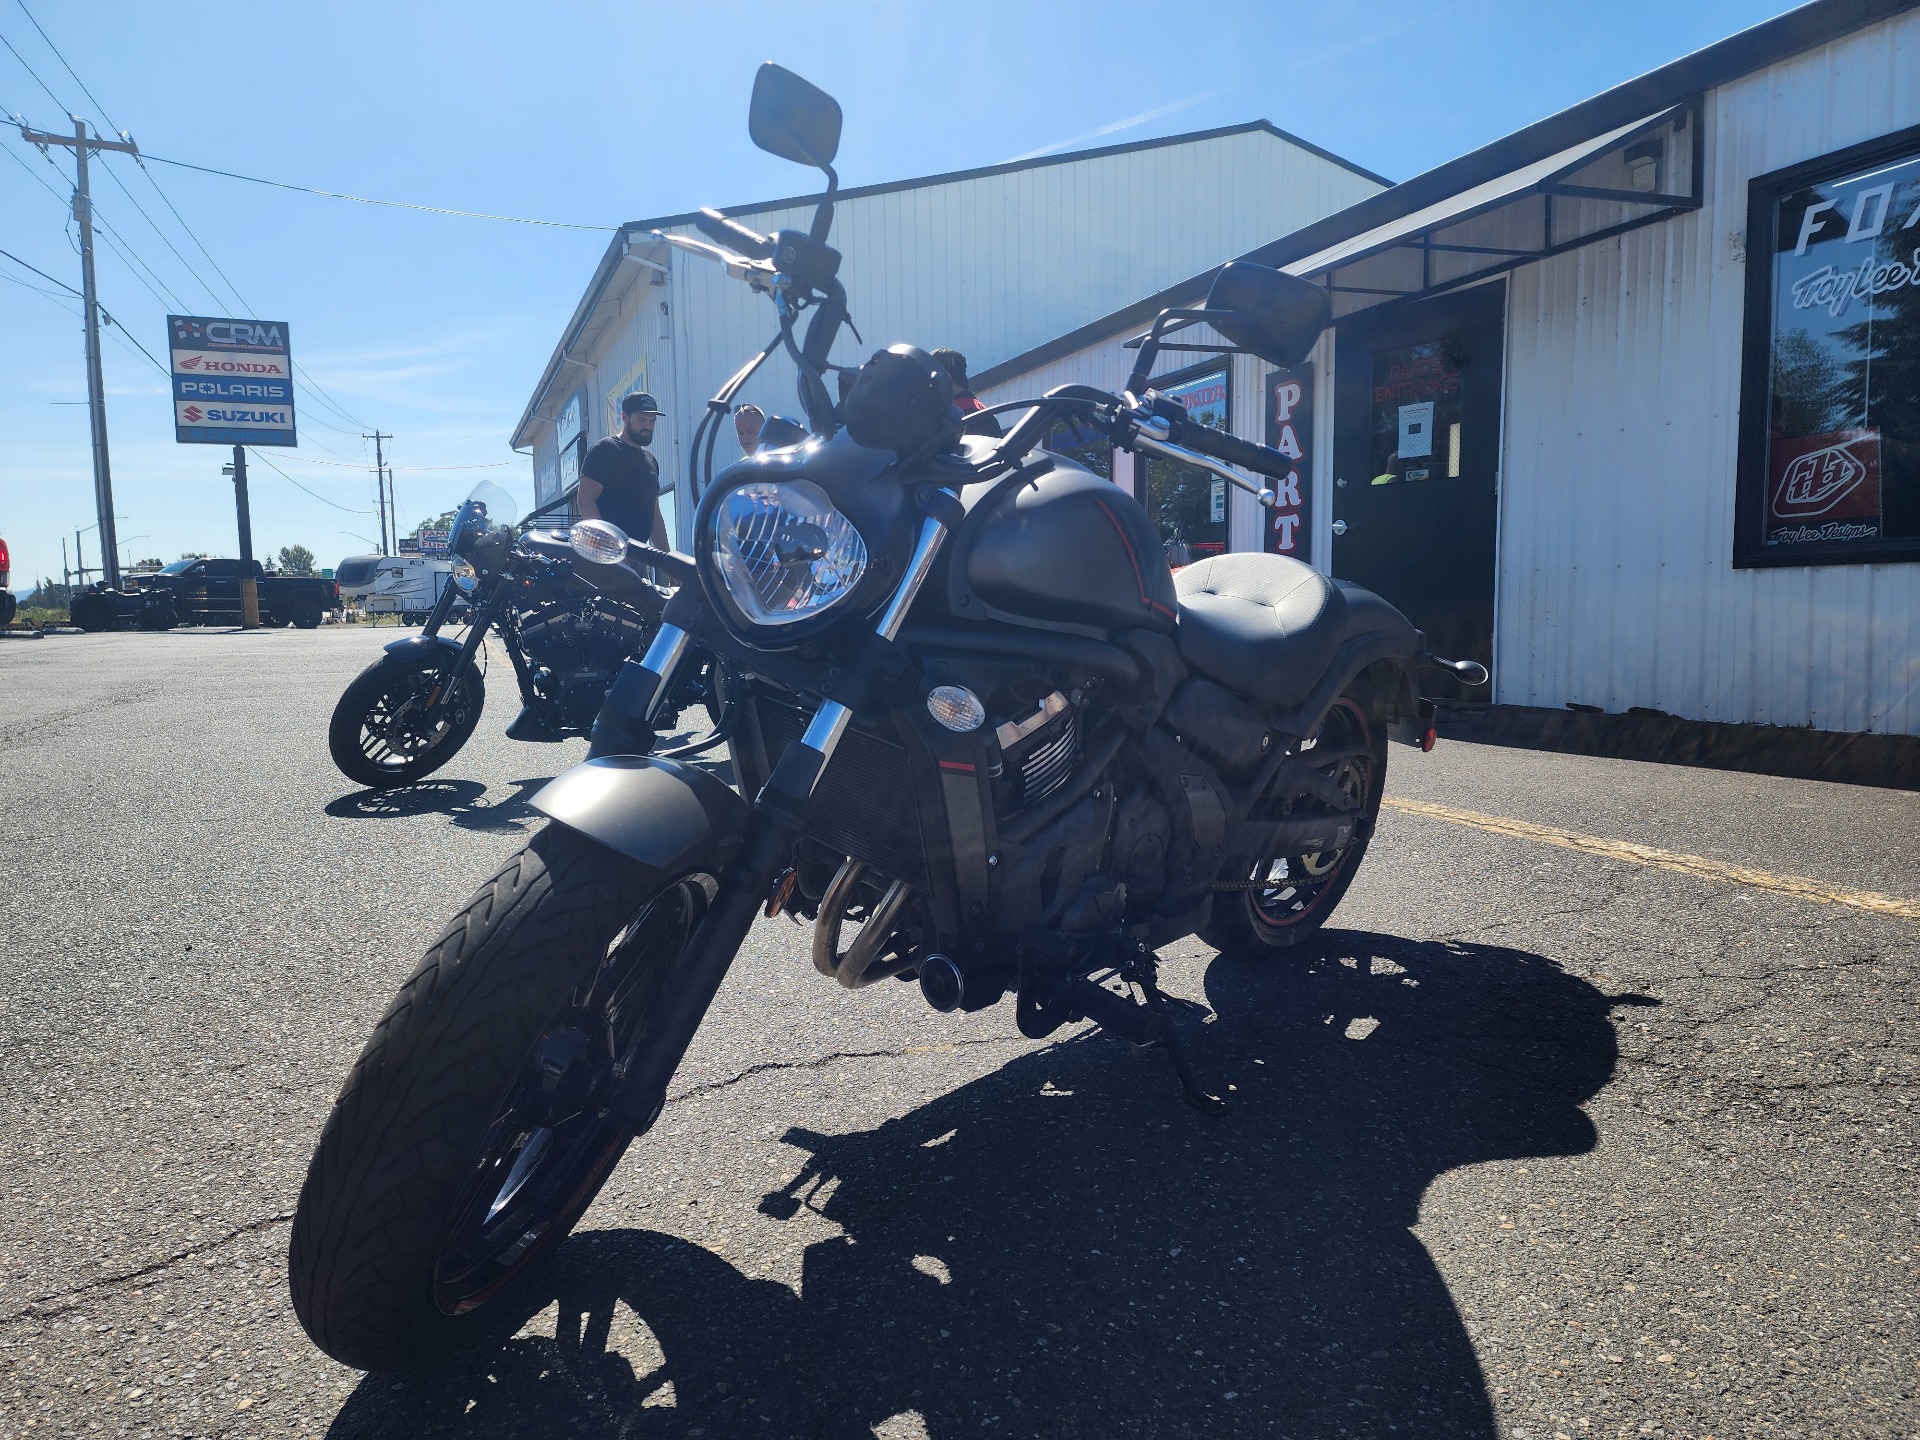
[391, 738]
[553, 1141]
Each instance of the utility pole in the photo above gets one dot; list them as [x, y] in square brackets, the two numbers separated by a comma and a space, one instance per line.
[249, 588]
[96, 389]
[380, 489]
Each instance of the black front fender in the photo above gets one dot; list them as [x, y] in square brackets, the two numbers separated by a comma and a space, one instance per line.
[421, 645]
[668, 816]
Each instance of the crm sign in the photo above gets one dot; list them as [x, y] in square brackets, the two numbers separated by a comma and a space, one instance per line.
[232, 381]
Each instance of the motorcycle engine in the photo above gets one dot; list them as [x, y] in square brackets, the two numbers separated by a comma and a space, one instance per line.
[577, 650]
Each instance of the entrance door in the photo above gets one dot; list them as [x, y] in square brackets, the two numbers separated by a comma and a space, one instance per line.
[1417, 463]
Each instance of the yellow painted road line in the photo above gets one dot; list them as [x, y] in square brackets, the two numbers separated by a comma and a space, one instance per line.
[1797, 886]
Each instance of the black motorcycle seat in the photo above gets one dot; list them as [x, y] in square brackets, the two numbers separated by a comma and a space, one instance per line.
[1268, 626]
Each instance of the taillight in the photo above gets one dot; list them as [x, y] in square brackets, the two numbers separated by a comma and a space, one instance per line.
[6, 564]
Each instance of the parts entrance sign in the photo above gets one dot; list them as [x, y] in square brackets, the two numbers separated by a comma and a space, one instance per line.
[232, 381]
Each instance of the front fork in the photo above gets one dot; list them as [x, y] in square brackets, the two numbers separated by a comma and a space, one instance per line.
[443, 693]
[779, 813]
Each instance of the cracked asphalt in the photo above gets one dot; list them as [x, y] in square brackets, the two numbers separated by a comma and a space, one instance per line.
[1534, 1144]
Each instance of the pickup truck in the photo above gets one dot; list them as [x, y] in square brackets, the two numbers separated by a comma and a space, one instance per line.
[204, 592]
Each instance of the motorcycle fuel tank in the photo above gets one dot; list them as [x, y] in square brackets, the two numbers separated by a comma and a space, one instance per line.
[1063, 550]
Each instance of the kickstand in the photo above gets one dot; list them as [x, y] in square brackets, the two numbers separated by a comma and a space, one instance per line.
[1144, 973]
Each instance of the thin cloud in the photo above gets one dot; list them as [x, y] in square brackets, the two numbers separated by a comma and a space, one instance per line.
[1143, 118]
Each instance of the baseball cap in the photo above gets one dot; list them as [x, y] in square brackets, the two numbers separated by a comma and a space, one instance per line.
[639, 400]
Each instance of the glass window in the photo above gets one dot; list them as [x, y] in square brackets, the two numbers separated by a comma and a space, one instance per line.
[1077, 440]
[1830, 412]
[1187, 504]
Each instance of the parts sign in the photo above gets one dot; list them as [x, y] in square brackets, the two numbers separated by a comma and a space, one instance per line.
[232, 381]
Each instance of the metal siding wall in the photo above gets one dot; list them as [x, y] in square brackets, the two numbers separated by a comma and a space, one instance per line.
[1622, 430]
[990, 266]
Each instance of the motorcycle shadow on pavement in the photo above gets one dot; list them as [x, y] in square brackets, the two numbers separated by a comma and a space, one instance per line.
[467, 803]
[1061, 1248]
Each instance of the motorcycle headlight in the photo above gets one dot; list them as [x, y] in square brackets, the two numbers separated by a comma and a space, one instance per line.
[783, 552]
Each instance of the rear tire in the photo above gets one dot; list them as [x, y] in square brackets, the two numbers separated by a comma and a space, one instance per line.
[1300, 892]
[159, 617]
[470, 1135]
[369, 735]
[306, 614]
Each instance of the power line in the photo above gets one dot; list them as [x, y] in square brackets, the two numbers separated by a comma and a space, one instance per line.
[366, 200]
[36, 74]
[63, 61]
[350, 465]
[41, 273]
[298, 486]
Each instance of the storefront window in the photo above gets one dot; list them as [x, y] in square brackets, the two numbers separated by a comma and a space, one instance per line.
[1830, 406]
[1187, 504]
[1079, 442]
[1416, 415]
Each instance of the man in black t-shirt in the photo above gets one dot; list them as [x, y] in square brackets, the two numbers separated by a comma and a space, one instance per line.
[620, 478]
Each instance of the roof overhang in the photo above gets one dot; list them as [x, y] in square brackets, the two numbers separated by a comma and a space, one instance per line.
[1633, 174]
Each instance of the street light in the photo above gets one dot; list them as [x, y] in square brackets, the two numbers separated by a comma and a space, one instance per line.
[126, 544]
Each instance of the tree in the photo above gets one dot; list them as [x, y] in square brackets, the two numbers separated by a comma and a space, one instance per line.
[296, 560]
[193, 554]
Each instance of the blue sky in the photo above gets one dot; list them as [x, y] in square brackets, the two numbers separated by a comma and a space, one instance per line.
[434, 328]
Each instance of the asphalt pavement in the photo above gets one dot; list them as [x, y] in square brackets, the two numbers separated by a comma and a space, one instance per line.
[1537, 1142]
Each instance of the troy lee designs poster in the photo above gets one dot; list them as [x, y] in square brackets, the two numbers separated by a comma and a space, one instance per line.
[1841, 434]
[1289, 524]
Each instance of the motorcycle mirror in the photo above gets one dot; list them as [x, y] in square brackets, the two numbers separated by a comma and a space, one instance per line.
[793, 119]
[598, 542]
[1274, 315]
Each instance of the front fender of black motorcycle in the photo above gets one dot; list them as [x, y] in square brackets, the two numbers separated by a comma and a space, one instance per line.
[669, 817]
[421, 645]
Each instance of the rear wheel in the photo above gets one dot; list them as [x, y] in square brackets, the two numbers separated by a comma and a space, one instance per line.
[1289, 897]
[473, 1131]
[382, 733]
[306, 614]
[159, 617]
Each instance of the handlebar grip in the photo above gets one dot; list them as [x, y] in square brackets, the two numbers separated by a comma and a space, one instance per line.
[722, 231]
[1260, 459]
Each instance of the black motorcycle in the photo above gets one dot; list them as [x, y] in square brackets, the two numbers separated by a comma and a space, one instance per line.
[985, 740]
[567, 619]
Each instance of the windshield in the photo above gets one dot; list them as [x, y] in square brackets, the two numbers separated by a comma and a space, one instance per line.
[487, 507]
[178, 567]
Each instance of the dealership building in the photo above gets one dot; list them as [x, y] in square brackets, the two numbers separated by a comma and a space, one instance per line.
[1625, 405]
[990, 261]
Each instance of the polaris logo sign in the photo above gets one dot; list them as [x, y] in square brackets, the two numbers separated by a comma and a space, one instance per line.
[232, 381]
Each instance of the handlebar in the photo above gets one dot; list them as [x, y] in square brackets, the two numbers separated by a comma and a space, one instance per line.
[718, 228]
[1260, 459]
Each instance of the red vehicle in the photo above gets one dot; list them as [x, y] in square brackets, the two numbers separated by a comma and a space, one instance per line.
[7, 603]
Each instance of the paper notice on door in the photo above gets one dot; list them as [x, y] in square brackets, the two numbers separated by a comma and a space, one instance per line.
[1416, 430]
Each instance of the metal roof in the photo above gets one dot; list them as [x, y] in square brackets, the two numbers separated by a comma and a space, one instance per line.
[634, 231]
[1556, 138]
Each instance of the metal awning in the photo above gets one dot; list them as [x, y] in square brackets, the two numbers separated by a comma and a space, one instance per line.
[1632, 175]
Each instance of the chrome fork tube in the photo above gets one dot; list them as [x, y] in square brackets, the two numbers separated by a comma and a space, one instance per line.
[831, 719]
[662, 659]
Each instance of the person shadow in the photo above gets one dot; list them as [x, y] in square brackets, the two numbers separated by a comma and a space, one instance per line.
[1062, 1249]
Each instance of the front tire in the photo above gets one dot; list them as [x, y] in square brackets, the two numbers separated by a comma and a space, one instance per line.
[1289, 897]
[376, 735]
[472, 1132]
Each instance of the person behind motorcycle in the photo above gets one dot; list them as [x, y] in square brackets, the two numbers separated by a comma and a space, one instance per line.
[955, 364]
[620, 478]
